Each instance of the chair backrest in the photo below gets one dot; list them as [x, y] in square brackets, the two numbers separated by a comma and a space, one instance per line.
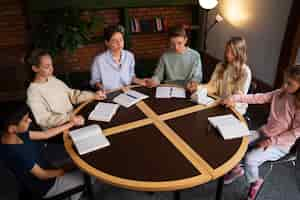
[15, 189]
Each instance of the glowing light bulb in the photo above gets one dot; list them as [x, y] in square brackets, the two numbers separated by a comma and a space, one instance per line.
[236, 12]
[208, 4]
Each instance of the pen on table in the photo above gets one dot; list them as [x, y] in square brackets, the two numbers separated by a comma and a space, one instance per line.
[131, 96]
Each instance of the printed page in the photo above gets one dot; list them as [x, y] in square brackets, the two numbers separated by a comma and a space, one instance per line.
[103, 112]
[229, 126]
[125, 100]
[85, 132]
[231, 131]
[88, 139]
[205, 100]
[222, 120]
[136, 94]
[178, 92]
[163, 92]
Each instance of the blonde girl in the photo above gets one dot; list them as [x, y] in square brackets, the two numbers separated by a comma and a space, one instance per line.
[233, 76]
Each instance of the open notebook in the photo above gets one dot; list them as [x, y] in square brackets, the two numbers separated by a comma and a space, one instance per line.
[129, 98]
[103, 112]
[200, 97]
[88, 139]
[168, 92]
[229, 126]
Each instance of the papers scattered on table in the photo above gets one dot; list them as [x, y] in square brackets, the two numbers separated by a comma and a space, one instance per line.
[229, 126]
[129, 98]
[103, 112]
[168, 92]
[200, 97]
[88, 139]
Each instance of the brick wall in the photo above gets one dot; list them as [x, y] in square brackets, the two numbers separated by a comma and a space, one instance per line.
[144, 45]
[147, 45]
[12, 23]
[82, 58]
[15, 39]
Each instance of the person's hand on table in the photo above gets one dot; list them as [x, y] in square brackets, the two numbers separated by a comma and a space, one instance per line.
[77, 120]
[150, 83]
[139, 81]
[264, 144]
[228, 102]
[100, 95]
[192, 86]
[98, 86]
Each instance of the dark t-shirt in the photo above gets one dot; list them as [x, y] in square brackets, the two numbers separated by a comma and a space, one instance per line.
[21, 158]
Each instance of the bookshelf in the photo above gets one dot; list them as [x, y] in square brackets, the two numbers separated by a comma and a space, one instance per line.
[172, 13]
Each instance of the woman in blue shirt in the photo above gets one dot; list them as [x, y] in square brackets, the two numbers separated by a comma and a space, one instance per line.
[114, 68]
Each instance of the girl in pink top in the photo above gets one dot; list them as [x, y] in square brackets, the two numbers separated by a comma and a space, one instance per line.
[274, 139]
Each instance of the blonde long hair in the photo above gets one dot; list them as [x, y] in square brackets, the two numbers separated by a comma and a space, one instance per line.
[239, 50]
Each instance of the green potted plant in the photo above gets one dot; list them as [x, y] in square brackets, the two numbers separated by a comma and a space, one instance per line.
[65, 30]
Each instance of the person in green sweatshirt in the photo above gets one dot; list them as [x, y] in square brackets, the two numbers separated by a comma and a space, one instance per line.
[179, 64]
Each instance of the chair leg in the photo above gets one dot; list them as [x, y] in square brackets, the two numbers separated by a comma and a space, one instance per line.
[219, 193]
[88, 184]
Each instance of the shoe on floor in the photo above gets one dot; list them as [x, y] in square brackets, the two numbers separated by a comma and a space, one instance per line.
[233, 175]
[254, 189]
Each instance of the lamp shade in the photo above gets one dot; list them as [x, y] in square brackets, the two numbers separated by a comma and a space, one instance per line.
[208, 4]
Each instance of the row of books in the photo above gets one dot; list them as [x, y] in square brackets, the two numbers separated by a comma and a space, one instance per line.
[157, 24]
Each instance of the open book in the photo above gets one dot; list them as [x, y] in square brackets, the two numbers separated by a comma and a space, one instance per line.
[200, 97]
[168, 92]
[229, 126]
[88, 139]
[129, 98]
[103, 112]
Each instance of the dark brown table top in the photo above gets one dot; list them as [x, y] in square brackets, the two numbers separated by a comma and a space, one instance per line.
[160, 145]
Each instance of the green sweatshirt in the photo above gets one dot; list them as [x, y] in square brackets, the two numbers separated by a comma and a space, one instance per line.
[179, 67]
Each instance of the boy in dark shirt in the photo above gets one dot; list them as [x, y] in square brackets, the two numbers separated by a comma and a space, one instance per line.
[21, 151]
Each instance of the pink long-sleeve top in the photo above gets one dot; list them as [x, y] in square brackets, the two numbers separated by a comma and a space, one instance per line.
[283, 125]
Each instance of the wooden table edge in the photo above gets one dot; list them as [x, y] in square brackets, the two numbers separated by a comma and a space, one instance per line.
[134, 184]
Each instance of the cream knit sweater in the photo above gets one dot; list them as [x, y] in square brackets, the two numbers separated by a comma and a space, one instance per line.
[52, 102]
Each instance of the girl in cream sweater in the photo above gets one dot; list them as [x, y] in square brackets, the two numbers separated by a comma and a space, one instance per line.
[51, 100]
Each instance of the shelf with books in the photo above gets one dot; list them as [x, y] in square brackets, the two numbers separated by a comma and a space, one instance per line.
[157, 24]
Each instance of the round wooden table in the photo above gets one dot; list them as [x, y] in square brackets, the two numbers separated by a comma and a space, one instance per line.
[160, 145]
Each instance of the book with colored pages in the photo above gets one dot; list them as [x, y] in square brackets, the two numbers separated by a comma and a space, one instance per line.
[129, 98]
[103, 112]
[169, 92]
[88, 139]
[229, 126]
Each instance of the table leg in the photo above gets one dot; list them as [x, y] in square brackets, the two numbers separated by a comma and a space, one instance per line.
[88, 183]
[176, 195]
[219, 193]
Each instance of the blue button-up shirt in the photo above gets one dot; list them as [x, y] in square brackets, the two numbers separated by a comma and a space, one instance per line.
[110, 74]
